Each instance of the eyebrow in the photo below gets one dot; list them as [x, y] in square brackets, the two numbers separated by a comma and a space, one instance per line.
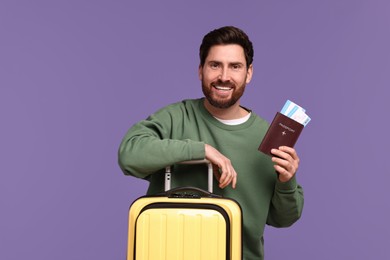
[230, 63]
[237, 63]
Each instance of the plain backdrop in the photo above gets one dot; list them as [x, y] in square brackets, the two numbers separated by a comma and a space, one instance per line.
[75, 75]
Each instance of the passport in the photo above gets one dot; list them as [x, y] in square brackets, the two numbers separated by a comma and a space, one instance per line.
[283, 131]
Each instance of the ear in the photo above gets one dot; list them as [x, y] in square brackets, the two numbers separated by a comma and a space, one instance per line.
[200, 72]
[249, 74]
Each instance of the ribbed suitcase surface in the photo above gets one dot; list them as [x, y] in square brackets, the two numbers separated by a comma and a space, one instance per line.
[162, 228]
[181, 233]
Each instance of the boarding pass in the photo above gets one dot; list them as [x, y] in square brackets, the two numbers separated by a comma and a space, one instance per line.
[295, 112]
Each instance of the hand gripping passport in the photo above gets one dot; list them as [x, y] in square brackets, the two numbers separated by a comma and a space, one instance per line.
[285, 128]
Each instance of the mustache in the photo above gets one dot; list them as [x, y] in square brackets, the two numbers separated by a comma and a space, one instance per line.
[223, 83]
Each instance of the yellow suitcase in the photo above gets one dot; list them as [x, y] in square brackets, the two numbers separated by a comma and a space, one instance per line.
[185, 224]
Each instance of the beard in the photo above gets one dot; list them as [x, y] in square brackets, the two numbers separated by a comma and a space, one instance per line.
[218, 102]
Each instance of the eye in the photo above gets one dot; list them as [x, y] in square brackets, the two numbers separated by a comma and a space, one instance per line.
[236, 66]
[214, 65]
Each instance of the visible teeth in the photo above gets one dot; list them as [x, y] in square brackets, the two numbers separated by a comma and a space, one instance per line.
[223, 88]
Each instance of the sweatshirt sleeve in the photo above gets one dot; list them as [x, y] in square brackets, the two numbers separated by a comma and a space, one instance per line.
[149, 146]
[286, 205]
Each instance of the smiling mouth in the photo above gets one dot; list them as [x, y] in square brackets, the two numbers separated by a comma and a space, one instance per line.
[224, 88]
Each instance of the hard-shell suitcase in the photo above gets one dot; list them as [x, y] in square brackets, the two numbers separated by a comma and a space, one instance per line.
[185, 224]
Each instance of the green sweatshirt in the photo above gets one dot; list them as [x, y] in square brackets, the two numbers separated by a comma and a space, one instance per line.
[179, 132]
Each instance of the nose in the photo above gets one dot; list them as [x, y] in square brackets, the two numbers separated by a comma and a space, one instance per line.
[224, 75]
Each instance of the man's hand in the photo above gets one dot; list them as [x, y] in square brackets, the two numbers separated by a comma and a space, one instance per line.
[225, 172]
[286, 162]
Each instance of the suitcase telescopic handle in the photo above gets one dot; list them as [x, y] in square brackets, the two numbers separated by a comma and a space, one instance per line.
[209, 170]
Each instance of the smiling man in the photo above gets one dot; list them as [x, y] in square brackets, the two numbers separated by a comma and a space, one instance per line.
[224, 76]
[218, 128]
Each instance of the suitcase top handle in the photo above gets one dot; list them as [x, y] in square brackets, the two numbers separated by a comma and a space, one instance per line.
[189, 193]
[210, 173]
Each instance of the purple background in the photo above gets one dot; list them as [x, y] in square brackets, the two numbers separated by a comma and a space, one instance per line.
[75, 75]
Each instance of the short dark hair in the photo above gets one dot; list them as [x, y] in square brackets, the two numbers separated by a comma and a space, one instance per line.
[226, 35]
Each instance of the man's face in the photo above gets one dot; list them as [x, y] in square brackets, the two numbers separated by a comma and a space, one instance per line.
[224, 75]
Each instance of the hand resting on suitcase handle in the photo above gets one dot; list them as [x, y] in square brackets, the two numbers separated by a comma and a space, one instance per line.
[225, 172]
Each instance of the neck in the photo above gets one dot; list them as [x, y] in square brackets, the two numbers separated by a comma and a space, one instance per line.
[233, 112]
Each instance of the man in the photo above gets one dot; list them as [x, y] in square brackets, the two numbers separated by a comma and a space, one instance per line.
[219, 129]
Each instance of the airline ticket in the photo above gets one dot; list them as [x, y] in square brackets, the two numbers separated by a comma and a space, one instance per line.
[295, 112]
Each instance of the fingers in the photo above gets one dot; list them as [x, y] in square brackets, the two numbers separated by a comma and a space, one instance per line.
[228, 175]
[225, 172]
[286, 162]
